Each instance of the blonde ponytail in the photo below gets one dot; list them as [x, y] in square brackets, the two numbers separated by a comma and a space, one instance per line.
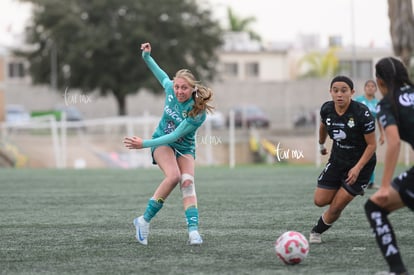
[202, 96]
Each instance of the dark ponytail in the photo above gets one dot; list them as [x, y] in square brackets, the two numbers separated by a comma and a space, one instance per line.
[394, 75]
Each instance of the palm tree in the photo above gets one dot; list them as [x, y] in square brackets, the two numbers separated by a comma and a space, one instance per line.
[318, 65]
[401, 17]
[238, 24]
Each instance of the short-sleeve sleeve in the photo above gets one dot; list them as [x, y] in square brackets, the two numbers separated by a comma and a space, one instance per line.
[367, 119]
[385, 115]
[324, 112]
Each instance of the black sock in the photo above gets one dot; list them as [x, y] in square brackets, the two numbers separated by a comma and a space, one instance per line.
[320, 226]
[384, 235]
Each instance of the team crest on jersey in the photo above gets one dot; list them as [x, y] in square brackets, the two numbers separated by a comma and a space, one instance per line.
[184, 114]
[351, 122]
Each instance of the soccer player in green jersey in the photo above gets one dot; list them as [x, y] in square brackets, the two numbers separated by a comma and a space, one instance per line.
[369, 99]
[173, 144]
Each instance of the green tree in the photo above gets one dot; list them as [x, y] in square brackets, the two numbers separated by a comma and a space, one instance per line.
[239, 24]
[95, 44]
[318, 65]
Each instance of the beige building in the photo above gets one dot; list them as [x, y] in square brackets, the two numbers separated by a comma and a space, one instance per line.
[2, 103]
[244, 60]
[13, 73]
[250, 72]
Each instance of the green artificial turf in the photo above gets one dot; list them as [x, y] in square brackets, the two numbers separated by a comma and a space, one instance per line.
[80, 222]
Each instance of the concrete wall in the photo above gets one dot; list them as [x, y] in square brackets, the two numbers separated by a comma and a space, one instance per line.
[2, 77]
[282, 101]
[97, 150]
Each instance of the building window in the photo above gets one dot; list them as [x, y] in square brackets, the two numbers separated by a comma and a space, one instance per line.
[363, 68]
[16, 70]
[252, 70]
[231, 69]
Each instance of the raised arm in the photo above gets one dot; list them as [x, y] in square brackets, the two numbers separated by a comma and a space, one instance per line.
[161, 76]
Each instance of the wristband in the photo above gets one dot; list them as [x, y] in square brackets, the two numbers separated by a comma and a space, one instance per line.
[321, 147]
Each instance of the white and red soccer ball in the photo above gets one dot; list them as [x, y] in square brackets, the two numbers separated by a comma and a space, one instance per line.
[292, 247]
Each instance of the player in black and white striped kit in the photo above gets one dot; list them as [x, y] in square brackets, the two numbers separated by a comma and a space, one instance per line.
[351, 127]
[396, 115]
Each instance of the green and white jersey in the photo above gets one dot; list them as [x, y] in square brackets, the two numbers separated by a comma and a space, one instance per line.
[175, 127]
[371, 104]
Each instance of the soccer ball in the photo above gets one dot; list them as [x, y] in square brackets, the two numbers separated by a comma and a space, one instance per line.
[292, 247]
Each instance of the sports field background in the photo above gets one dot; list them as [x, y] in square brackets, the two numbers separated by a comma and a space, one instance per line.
[80, 222]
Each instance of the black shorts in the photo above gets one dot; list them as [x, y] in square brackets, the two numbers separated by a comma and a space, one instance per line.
[333, 177]
[404, 184]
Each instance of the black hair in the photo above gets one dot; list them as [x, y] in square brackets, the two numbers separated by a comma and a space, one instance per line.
[342, 78]
[393, 72]
[395, 75]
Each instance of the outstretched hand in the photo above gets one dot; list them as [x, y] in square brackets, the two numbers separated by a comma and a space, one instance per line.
[133, 142]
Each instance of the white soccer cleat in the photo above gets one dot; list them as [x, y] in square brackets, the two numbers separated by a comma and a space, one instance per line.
[142, 228]
[315, 237]
[194, 238]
